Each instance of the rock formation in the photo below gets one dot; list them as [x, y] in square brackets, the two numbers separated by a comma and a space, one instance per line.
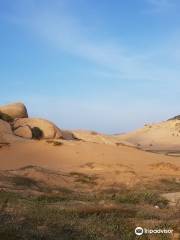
[6, 134]
[24, 131]
[48, 129]
[12, 111]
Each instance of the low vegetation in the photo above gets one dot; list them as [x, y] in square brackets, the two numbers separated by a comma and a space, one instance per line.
[84, 178]
[170, 184]
[165, 185]
[142, 197]
[71, 215]
[54, 142]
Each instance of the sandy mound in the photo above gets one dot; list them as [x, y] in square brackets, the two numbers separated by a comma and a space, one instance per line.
[164, 135]
[94, 137]
[91, 165]
[91, 136]
[34, 178]
[67, 135]
[15, 110]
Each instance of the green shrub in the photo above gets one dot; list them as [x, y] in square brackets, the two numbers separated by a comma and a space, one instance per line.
[142, 197]
[23, 181]
[45, 199]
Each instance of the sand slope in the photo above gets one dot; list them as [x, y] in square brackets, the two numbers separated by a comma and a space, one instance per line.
[108, 165]
[164, 135]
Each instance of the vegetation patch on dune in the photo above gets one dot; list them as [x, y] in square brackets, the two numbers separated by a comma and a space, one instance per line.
[146, 197]
[54, 142]
[72, 215]
[32, 209]
[84, 178]
[170, 184]
[24, 181]
[165, 185]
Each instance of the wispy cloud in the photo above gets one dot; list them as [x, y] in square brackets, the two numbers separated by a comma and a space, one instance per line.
[136, 68]
[66, 33]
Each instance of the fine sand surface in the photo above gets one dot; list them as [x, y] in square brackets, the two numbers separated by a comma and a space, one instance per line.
[163, 136]
[109, 164]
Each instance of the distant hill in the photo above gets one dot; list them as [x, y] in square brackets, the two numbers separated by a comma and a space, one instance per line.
[175, 118]
[159, 136]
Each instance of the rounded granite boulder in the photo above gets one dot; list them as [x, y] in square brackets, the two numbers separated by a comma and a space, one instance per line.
[24, 132]
[12, 111]
[41, 127]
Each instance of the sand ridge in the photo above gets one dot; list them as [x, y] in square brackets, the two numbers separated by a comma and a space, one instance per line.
[110, 163]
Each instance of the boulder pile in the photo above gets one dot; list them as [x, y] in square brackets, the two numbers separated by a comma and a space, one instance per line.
[46, 128]
[15, 124]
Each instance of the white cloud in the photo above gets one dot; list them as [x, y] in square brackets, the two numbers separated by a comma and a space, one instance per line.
[64, 32]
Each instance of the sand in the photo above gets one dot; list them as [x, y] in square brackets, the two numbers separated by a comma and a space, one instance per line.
[160, 136]
[111, 164]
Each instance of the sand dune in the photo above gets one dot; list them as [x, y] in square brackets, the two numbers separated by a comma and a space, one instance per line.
[111, 164]
[161, 136]
[96, 159]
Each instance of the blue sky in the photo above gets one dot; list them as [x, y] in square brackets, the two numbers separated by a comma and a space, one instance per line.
[109, 66]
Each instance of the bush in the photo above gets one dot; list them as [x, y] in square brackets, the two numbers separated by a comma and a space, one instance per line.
[22, 181]
[142, 197]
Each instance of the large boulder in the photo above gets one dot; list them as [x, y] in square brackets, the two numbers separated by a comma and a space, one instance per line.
[38, 126]
[12, 111]
[67, 135]
[6, 134]
[24, 131]
[5, 128]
